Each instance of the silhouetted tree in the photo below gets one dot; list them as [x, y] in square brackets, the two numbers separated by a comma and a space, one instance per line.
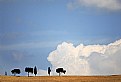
[49, 70]
[35, 70]
[5, 73]
[15, 71]
[29, 70]
[60, 70]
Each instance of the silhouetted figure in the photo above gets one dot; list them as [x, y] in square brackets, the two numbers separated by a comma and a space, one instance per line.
[15, 71]
[60, 70]
[49, 70]
[29, 70]
[35, 70]
[5, 73]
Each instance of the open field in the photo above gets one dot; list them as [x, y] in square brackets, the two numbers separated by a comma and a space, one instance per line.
[61, 79]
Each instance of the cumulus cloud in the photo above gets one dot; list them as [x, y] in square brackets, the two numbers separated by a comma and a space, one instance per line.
[87, 59]
[111, 5]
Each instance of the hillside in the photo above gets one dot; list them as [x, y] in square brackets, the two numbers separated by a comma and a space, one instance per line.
[61, 79]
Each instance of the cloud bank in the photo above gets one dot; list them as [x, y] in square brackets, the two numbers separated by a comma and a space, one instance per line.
[87, 59]
[111, 5]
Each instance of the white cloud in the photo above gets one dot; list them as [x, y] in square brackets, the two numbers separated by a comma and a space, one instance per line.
[87, 60]
[111, 5]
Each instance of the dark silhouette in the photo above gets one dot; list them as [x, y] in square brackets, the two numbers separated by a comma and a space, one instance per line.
[29, 70]
[5, 73]
[60, 70]
[15, 71]
[35, 70]
[49, 70]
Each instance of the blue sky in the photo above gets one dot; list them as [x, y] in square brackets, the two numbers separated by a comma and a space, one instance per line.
[31, 29]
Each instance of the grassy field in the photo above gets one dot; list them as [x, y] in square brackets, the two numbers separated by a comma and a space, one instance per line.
[61, 79]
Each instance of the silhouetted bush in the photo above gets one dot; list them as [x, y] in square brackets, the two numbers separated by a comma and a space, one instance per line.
[60, 70]
[5, 73]
[15, 71]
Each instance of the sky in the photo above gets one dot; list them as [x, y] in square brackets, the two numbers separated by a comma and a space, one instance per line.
[31, 29]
